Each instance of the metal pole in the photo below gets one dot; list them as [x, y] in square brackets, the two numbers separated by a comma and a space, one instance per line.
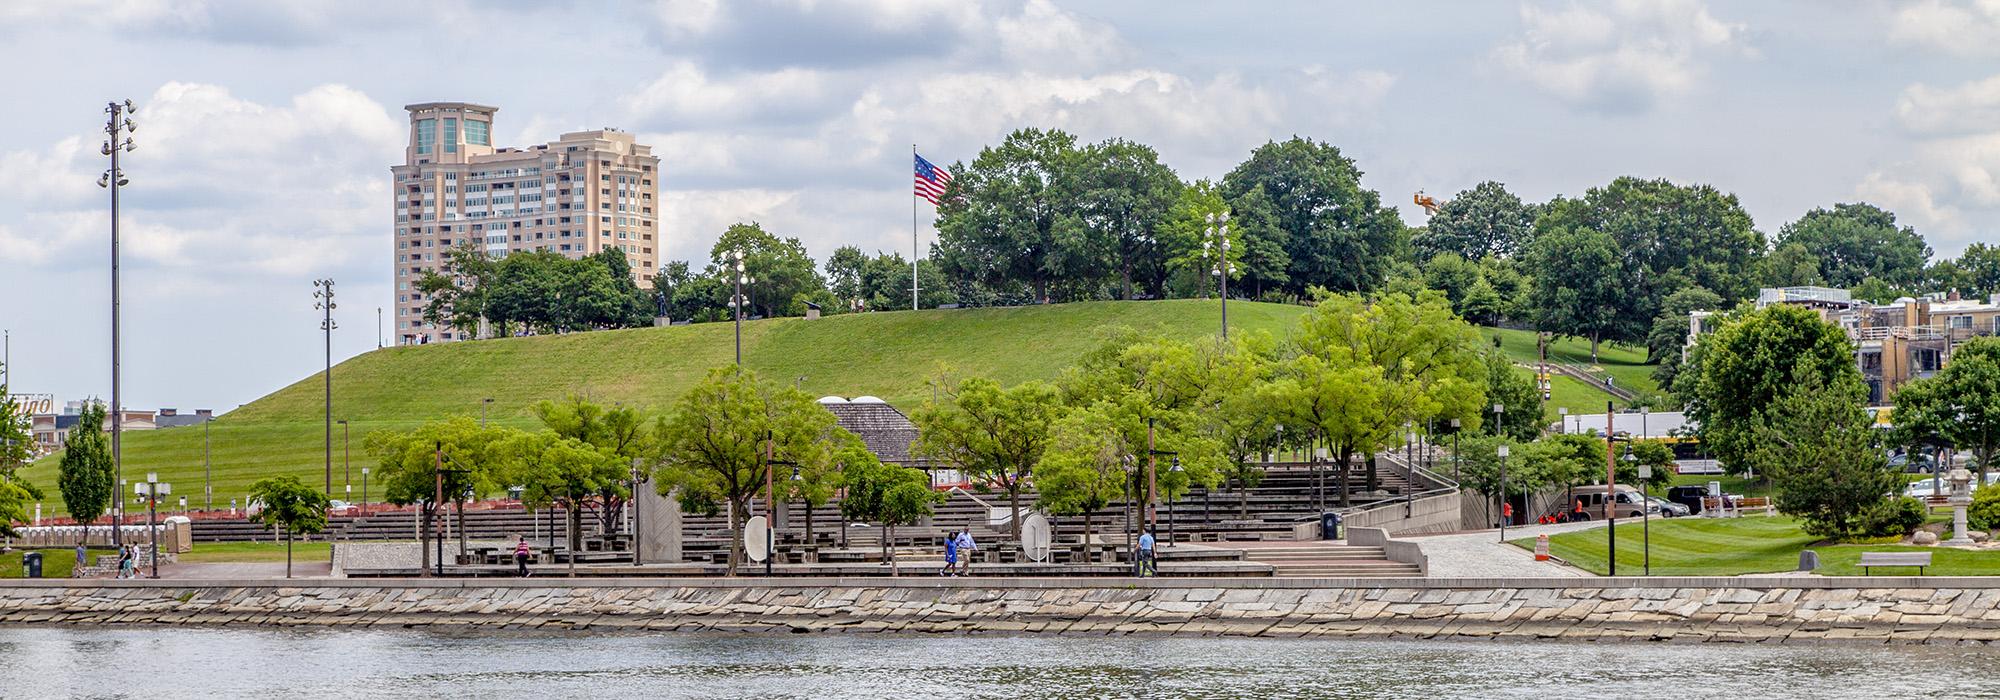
[326, 326]
[346, 457]
[114, 180]
[770, 508]
[153, 523]
[1611, 485]
[207, 469]
[638, 558]
[915, 245]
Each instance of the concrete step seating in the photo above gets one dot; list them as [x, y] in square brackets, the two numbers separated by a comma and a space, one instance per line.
[1328, 560]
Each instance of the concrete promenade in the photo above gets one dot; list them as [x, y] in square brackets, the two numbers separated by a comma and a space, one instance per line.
[1915, 610]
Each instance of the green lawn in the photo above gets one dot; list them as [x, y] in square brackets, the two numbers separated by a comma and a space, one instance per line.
[56, 563]
[1735, 546]
[1625, 363]
[888, 354]
[256, 552]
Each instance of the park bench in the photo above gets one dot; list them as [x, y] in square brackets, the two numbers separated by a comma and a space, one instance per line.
[1921, 560]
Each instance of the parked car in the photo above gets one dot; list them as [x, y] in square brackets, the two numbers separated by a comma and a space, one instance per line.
[1669, 509]
[1688, 496]
[339, 508]
[1630, 503]
[1913, 462]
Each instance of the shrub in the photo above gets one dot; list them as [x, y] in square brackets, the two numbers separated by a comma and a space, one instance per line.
[1984, 513]
[1894, 517]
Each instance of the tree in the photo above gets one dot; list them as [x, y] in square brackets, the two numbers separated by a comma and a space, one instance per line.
[1123, 194]
[1264, 262]
[1668, 337]
[717, 445]
[456, 293]
[1655, 455]
[784, 272]
[16, 444]
[1790, 265]
[1736, 374]
[1565, 461]
[1478, 468]
[556, 470]
[1980, 266]
[619, 433]
[1009, 219]
[994, 435]
[1453, 275]
[1960, 404]
[453, 455]
[1485, 220]
[1853, 242]
[1337, 234]
[85, 474]
[1088, 464]
[1823, 453]
[292, 505]
[884, 493]
[844, 271]
[1664, 237]
[1577, 291]
[1514, 389]
[1190, 249]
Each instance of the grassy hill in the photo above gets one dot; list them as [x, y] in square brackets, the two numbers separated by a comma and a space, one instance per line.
[890, 355]
[1625, 364]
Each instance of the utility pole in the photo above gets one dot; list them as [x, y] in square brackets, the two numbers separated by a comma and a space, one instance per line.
[116, 128]
[1611, 484]
[207, 469]
[324, 293]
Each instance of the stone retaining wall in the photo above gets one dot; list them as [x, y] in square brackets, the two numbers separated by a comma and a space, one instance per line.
[1934, 610]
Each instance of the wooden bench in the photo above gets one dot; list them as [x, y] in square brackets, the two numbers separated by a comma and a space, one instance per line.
[1921, 560]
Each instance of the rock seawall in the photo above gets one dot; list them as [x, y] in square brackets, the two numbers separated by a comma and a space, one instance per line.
[1875, 610]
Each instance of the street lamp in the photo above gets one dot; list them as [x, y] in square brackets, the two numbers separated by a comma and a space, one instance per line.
[1215, 244]
[324, 293]
[1503, 494]
[207, 470]
[1562, 419]
[153, 489]
[364, 486]
[1611, 484]
[116, 127]
[1454, 450]
[1172, 468]
[736, 301]
[483, 403]
[1645, 507]
[638, 477]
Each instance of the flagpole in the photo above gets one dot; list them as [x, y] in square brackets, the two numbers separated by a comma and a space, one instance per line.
[914, 245]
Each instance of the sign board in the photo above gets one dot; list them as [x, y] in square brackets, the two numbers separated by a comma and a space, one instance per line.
[1645, 472]
[756, 538]
[1035, 537]
[34, 404]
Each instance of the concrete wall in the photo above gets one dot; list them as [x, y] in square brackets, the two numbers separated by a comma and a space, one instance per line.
[1438, 513]
[1911, 610]
[1397, 550]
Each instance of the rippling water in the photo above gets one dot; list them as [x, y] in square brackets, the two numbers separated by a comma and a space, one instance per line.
[324, 663]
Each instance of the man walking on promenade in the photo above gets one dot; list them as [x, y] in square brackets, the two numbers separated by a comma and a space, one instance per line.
[521, 552]
[1148, 566]
[966, 546]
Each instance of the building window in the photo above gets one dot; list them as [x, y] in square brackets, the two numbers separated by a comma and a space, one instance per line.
[1956, 322]
[451, 135]
[475, 133]
[426, 134]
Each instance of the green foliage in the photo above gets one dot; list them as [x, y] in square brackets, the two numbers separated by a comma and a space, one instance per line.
[993, 435]
[1478, 467]
[1959, 406]
[1664, 237]
[1484, 220]
[407, 470]
[292, 505]
[1563, 461]
[1668, 336]
[1738, 373]
[1515, 391]
[16, 444]
[1656, 455]
[543, 291]
[1892, 517]
[1008, 220]
[1984, 513]
[1577, 290]
[1821, 449]
[1190, 249]
[456, 294]
[1123, 193]
[1337, 234]
[785, 275]
[883, 493]
[1855, 242]
[880, 283]
[1978, 271]
[1790, 265]
[85, 475]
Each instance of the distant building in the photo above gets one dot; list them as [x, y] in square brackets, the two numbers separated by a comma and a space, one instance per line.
[886, 432]
[585, 192]
[1909, 338]
[49, 430]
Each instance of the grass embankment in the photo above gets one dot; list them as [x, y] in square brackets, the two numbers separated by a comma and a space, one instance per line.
[56, 563]
[889, 354]
[1626, 364]
[208, 552]
[1735, 546]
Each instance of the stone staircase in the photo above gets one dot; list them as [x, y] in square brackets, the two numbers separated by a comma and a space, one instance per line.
[1329, 560]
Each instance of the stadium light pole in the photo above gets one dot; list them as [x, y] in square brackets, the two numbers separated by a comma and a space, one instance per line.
[1217, 244]
[117, 140]
[324, 293]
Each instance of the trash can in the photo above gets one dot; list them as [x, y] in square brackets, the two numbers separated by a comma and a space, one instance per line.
[1329, 526]
[31, 564]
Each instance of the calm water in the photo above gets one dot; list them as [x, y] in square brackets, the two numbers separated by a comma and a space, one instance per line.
[221, 663]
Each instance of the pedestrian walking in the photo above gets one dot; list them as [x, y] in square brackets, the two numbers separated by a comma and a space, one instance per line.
[966, 546]
[521, 552]
[1147, 564]
[950, 555]
[125, 561]
[82, 553]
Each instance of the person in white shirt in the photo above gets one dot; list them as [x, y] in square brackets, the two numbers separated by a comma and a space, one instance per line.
[966, 546]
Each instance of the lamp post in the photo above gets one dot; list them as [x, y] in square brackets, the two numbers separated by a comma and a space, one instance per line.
[324, 293]
[1172, 468]
[638, 556]
[1216, 244]
[364, 486]
[483, 403]
[1611, 485]
[1562, 419]
[116, 127]
[1503, 494]
[152, 490]
[1645, 508]
[346, 458]
[1454, 450]
[736, 302]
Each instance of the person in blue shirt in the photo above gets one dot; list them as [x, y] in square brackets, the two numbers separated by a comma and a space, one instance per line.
[950, 555]
[1147, 565]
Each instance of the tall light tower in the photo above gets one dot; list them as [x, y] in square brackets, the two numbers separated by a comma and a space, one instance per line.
[324, 293]
[1216, 243]
[116, 128]
[738, 301]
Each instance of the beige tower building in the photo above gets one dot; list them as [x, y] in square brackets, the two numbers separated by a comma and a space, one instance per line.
[585, 192]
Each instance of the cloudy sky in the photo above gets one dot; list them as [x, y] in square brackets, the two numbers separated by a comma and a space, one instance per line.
[266, 129]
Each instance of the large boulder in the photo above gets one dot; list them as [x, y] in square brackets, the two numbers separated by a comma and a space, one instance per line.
[1924, 537]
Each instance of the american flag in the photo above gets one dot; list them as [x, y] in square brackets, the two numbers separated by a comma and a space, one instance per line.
[930, 180]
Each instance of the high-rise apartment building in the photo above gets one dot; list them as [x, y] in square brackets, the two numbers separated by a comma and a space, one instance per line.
[585, 192]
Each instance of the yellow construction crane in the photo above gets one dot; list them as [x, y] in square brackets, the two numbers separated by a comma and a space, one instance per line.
[1429, 203]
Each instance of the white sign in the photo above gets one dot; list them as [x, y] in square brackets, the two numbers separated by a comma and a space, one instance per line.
[755, 538]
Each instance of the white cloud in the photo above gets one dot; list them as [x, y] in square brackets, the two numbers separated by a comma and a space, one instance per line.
[1620, 58]
[684, 95]
[1969, 108]
[1960, 28]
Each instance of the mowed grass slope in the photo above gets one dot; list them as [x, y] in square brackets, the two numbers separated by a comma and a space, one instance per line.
[889, 354]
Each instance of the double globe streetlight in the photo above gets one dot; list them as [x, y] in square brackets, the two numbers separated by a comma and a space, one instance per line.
[1215, 246]
[738, 301]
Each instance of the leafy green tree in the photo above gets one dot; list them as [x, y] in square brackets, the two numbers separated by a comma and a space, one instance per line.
[994, 435]
[1822, 451]
[1853, 242]
[1009, 218]
[621, 434]
[844, 271]
[16, 443]
[884, 493]
[1578, 291]
[1265, 259]
[1337, 235]
[1655, 455]
[785, 274]
[1736, 374]
[1979, 268]
[1668, 337]
[454, 453]
[1960, 404]
[85, 474]
[455, 294]
[554, 470]
[1122, 196]
[718, 444]
[1664, 237]
[1790, 265]
[291, 505]
[1514, 389]
[1564, 461]
[1484, 220]
[885, 283]
[1453, 275]
[1089, 464]
[1478, 468]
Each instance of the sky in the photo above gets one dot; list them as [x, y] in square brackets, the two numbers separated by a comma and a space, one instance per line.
[267, 128]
